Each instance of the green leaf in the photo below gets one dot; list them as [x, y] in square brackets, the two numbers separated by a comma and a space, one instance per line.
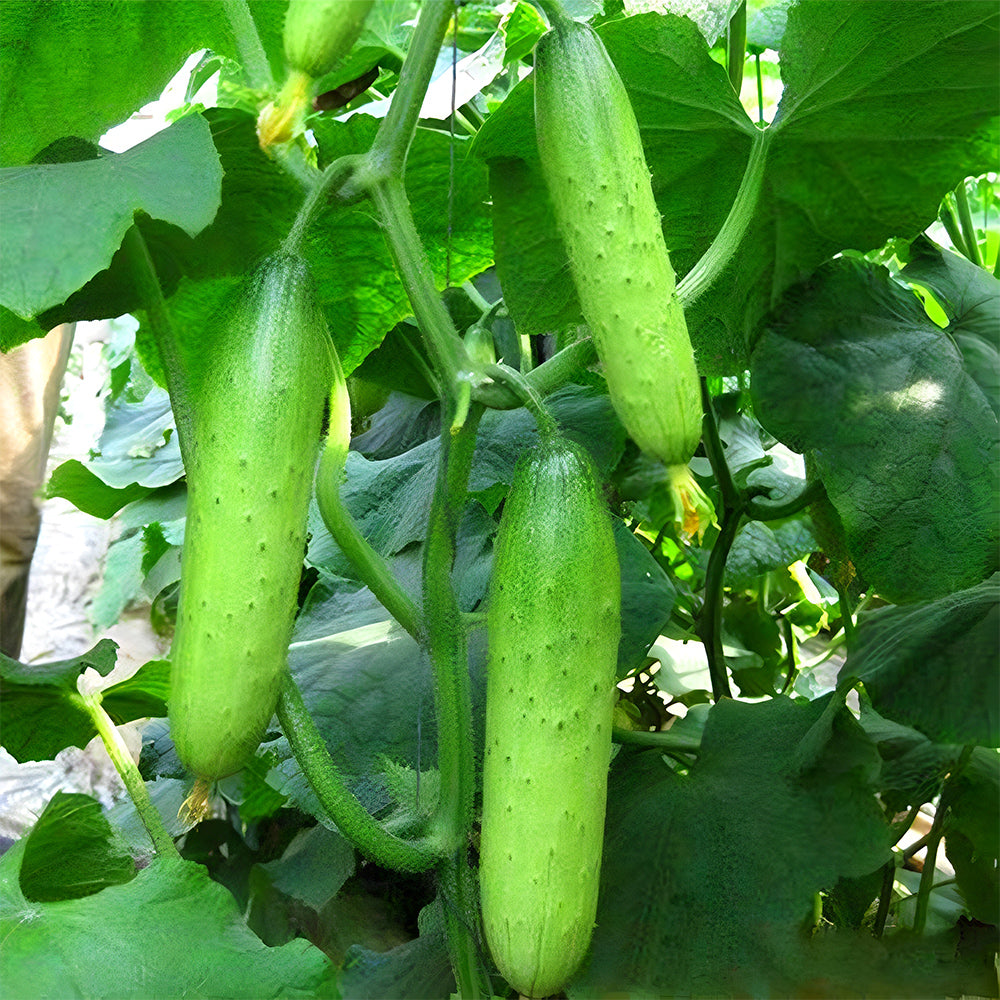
[299, 884]
[853, 72]
[72, 852]
[852, 370]
[760, 548]
[933, 666]
[972, 836]
[708, 878]
[78, 69]
[40, 711]
[144, 695]
[971, 299]
[84, 209]
[169, 932]
[74, 482]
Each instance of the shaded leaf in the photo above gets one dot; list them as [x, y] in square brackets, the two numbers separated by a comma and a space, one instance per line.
[74, 482]
[933, 666]
[852, 370]
[692, 899]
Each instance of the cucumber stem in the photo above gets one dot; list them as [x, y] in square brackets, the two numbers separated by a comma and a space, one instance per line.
[147, 285]
[529, 397]
[387, 156]
[725, 245]
[333, 177]
[968, 227]
[546, 378]
[129, 773]
[736, 47]
[340, 804]
[248, 44]
[371, 567]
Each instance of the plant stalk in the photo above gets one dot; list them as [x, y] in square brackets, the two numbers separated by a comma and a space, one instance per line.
[125, 766]
[147, 285]
[248, 44]
[340, 804]
[968, 227]
[725, 245]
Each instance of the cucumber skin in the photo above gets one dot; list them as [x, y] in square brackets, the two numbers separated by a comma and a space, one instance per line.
[258, 405]
[595, 171]
[319, 33]
[553, 623]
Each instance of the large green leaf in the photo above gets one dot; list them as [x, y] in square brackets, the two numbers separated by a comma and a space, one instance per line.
[76, 69]
[169, 932]
[84, 209]
[851, 370]
[933, 666]
[854, 70]
[708, 878]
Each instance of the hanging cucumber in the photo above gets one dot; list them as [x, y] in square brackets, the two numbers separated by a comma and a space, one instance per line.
[593, 164]
[258, 404]
[553, 626]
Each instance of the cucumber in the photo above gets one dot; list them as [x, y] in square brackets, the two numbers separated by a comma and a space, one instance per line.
[553, 626]
[593, 165]
[319, 33]
[257, 407]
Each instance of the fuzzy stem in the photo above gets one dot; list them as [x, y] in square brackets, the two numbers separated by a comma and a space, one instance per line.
[664, 741]
[445, 346]
[370, 566]
[125, 766]
[387, 156]
[736, 47]
[147, 285]
[725, 245]
[765, 511]
[547, 377]
[968, 227]
[333, 177]
[340, 804]
[248, 44]
[530, 399]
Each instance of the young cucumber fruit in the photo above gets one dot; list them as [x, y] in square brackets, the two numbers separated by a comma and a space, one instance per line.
[553, 625]
[593, 164]
[319, 33]
[257, 404]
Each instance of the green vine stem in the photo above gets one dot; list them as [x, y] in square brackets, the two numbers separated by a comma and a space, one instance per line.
[147, 285]
[334, 177]
[933, 839]
[885, 897]
[125, 766]
[736, 47]
[447, 645]
[664, 741]
[370, 566]
[949, 219]
[444, 345]
[340, 804]
[968, 227]
[547, 377]
[758, 510]
[725, 245]
[248, 44]
[530, 399]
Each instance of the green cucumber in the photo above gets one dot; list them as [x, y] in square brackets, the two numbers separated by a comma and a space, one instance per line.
[595, 171]
[553, 625]
[258, 405]
[319, 33]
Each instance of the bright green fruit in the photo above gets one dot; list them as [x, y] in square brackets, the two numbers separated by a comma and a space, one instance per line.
[553, 625]
[598, 181]
[319, 33]
[257, 404]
